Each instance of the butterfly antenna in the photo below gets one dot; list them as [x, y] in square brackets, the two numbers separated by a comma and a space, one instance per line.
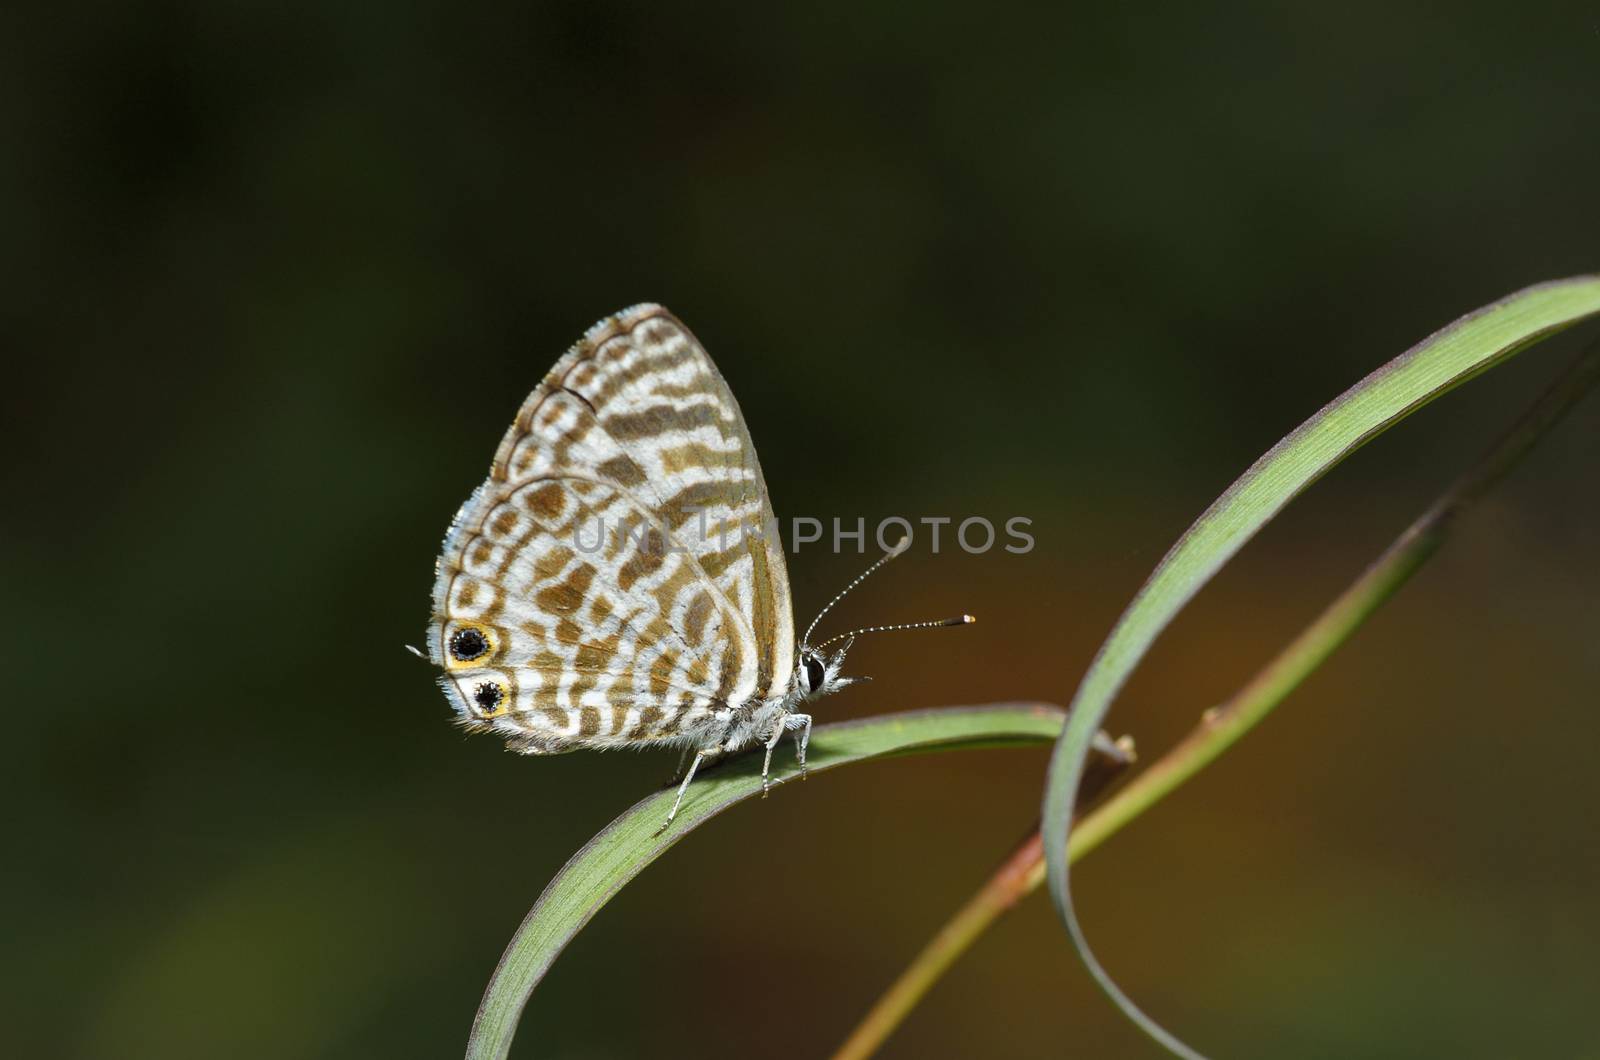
[959, 620]
[900, 546]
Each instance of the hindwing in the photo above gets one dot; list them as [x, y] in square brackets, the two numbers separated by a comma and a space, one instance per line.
[617, 578]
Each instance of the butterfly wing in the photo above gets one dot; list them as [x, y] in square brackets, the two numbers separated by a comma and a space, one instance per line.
[616, 579]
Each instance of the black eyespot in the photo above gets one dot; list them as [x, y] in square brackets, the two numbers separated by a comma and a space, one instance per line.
[468, 644]
[487, 696]
[814, 674]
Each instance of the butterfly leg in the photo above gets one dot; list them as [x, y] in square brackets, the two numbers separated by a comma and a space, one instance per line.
[801, 723]
[677, 774]
[766, 763]
[703, 753]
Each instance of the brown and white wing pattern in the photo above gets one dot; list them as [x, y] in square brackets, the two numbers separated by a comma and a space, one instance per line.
[615, 580]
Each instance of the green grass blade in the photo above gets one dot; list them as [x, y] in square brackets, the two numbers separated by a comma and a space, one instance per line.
[623, 849]
[1438, 364]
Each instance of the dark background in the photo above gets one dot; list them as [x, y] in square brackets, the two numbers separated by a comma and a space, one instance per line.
[278, 275]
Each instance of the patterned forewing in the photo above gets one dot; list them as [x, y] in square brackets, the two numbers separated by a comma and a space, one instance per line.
[616, 565]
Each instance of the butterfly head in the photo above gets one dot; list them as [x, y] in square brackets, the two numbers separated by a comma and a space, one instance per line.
[817, 674]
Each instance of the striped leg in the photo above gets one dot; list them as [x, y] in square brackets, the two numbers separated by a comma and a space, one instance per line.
[801, 723]
[714, 751]
[703, 753]
[766, 763]
[677, 774]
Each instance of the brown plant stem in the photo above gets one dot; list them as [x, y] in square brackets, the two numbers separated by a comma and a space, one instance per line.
[1010, 882]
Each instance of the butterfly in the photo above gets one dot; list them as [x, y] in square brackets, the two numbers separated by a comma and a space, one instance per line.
[619, 579]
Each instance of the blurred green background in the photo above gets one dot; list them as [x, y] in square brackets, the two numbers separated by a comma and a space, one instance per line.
[278, 275]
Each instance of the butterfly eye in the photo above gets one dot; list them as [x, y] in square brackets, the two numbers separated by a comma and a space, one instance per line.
[468, 644]
[487, 696]
[814, 673]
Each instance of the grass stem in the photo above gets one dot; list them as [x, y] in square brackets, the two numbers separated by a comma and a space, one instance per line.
[1222, 726]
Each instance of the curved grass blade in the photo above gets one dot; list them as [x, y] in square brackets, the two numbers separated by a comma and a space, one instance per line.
[1444, 360]
[623, 849]
[1220, 727]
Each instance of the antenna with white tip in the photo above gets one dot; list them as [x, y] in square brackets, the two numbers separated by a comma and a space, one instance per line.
[959, 620]
[900, 546]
